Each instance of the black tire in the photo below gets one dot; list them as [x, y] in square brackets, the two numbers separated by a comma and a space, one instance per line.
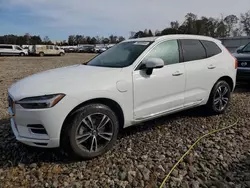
[61, 54]
[213, 105]
[77, 125]
[41, 54]
[22, 54]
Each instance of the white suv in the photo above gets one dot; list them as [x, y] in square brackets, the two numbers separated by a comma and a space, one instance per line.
[82, 107]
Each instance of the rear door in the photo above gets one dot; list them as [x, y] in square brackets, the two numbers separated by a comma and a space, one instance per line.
[2, 50]
[198, 79]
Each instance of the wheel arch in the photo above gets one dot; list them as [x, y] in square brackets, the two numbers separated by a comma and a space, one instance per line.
[112, 104]
[229, 80]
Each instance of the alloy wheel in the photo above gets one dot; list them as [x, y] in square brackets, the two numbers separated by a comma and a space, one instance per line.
[221, 98]
[94, 132]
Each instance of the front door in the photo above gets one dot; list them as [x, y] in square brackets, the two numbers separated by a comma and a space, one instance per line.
[17, 50]
[163, 90]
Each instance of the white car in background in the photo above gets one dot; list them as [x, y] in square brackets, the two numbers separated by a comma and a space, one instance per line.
[83, 107]
[8, 49]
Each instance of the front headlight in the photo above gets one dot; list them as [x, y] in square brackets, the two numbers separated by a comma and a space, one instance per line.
[40, 102]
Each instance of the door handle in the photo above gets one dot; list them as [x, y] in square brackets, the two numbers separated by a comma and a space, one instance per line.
[211, 67]
[177, 73]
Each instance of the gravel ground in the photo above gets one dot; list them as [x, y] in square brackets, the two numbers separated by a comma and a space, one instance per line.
[143, 154]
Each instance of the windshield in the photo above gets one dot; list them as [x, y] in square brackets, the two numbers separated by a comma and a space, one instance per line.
[18, 48]
[239, 48]
[121, 55]
[246, 48]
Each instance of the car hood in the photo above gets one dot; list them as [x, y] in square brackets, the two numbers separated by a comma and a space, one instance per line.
[242, 57]
[64, 80]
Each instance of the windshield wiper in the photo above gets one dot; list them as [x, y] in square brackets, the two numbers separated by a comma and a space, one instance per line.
[85, 63]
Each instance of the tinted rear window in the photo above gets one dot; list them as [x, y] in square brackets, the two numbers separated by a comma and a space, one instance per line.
[6, 47]
[192, 50]
[211, 48]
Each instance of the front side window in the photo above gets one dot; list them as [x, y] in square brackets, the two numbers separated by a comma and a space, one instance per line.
[121, 55]
[168, 51]
[192, 50]
[246, 48]
[18, 48]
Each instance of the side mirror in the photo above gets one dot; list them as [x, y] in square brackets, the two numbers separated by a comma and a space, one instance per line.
[239, 51]
[152, 63]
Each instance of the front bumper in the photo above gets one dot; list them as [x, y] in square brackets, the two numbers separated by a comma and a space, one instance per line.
[243, 74]
[46, 143]
[40, 127]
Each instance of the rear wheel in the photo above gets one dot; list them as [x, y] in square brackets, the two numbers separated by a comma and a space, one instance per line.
[92, 132]
[219, 98]
[41, 54]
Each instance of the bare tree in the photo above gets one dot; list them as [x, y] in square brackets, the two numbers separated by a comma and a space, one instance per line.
[231, 22]
[245, 20]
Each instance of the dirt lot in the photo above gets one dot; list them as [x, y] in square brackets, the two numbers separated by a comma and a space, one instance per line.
[143, 154]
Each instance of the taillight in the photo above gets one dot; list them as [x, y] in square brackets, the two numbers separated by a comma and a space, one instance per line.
[236, 64]
[235, 60]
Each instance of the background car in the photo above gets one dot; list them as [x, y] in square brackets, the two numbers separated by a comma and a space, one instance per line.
[242, 54]
[43, 50]
[101, 50]
[86, 49]
[8, 49]
[70, 50]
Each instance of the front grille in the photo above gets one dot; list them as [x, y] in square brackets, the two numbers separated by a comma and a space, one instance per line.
[244, 63]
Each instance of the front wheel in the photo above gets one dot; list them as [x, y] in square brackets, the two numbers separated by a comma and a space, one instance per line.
[93, 131]
[22, 54]
[219, 97]
[61, 54]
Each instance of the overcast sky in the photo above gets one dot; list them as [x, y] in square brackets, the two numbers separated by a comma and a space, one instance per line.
[60, 18]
